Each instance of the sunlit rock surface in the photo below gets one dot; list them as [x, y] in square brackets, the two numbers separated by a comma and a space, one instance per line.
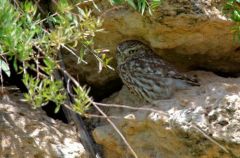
[29, 133]
[189, 34]
[199, 122]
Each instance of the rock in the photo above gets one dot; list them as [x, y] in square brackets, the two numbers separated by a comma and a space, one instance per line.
[189, 34]
[199, 122]
[27, 132]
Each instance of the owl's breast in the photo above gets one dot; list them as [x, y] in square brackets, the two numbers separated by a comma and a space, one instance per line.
[144, 82]
[124, 72]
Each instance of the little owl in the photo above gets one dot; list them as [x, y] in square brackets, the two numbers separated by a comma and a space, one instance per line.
[148, 76]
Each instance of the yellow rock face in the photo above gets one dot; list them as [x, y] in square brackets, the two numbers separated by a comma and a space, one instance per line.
[189, 35]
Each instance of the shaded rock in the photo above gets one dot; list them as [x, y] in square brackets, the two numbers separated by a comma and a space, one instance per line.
[199, 122]
[192, 34]
[25, 132]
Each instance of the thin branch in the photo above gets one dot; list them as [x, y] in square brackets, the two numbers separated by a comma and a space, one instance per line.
[100, 116]
[88, 115]
[17, 4]
[41, 21]
[37, 65]
[116, 129]
[68, 88]
[97, 57]
[96, 106]
[39, 7]
[132, 108]
[209, 138]
[71, 51]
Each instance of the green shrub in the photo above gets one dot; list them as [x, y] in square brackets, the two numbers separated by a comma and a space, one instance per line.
[139, 5]
[232, 8]
[25, 38]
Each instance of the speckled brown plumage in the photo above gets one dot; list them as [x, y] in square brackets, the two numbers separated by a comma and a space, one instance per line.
[147, 75]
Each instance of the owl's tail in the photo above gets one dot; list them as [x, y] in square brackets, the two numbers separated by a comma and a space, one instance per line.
[185, 82]
[193, 81]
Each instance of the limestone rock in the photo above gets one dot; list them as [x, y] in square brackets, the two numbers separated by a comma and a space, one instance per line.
[199, 122]
[192, 34]
[25, 132]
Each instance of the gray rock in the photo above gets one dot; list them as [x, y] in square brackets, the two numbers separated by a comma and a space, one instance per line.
[199, 122]
[28, 132]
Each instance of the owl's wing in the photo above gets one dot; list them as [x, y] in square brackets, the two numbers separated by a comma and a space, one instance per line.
[148, 64]
[154, 66]
[188, 79]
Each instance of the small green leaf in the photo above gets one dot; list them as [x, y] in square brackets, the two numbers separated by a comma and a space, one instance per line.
[143, 7]
[57, 108]
[132, 4]
[236, 15]
[5, 67]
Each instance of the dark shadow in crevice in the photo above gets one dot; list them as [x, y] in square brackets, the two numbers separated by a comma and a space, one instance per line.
[220, 73]
[101, 92]
[50, 108]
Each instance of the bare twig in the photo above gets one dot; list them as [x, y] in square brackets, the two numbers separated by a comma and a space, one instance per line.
[100, 116]
[41, 21]
[132, 108]
[209, 138]
[72, 115]
[96, 106]
[73, 53]
[97, 57]
[39, 7]
[116, 129]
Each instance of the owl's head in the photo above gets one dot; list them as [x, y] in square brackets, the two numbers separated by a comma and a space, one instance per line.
[127, 49]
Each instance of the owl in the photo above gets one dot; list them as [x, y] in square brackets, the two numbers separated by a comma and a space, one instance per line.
[146, 74]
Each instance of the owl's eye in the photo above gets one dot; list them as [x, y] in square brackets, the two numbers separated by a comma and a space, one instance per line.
[131, 51]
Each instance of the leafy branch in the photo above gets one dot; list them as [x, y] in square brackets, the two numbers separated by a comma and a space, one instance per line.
[34, 42]
[139, 5]
[25, 37]
[232, 7]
